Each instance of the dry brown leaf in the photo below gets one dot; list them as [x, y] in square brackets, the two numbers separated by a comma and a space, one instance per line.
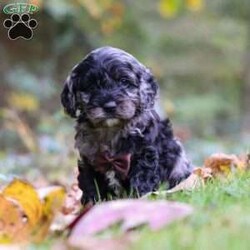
[204, 173]
[223, 164]
[195, 180]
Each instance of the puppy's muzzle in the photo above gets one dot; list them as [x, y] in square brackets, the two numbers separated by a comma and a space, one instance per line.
[110, 108]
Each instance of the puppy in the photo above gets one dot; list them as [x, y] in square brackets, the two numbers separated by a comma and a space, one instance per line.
[124, 147]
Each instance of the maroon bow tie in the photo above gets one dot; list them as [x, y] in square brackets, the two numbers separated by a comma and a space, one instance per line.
[120, 163]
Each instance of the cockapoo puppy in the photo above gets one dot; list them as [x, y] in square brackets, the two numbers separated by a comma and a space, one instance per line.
[123, 145]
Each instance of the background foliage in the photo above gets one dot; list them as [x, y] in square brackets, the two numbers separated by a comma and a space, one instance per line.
[198, 50]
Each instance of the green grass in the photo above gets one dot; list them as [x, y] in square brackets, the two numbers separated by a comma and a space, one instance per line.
[221, 219]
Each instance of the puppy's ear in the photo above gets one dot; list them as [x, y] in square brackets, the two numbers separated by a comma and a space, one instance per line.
[148, 90]
[68, 98]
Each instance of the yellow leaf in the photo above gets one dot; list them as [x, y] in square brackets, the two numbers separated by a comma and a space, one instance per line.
[26, 214]
[26, 196]
[194, 5]
[13, 227]
[168, 8]
[23, 101]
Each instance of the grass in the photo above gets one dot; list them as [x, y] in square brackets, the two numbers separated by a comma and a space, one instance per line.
[221, 219]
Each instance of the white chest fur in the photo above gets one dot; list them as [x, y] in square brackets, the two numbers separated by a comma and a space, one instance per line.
[113, 182]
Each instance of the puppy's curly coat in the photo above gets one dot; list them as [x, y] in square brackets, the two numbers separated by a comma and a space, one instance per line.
[123, 145]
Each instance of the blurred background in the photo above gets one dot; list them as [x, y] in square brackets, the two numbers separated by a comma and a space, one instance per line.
[198, 50]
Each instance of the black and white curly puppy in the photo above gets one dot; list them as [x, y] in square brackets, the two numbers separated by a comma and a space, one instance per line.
[123, 145]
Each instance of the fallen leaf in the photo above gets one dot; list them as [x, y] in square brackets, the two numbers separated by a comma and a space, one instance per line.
[195, 180]
[12, 223]
[132, 213]
[204, 173]
[26, 196]
[223, 164]
[26, 214]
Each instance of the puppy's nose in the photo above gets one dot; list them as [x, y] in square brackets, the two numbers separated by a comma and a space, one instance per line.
[109, 106]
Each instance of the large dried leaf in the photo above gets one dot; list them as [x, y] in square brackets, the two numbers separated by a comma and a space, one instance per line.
[26, 196]
[223, 164]
[195, 180]
[24, 216]
[132, 213]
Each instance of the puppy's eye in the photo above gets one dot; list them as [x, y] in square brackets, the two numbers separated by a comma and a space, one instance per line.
[127, 82]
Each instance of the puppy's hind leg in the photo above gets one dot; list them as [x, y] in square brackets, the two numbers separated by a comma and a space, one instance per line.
[181, 170]
[145, 172]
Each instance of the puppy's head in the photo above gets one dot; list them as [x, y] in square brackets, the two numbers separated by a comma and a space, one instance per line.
[108, 87]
